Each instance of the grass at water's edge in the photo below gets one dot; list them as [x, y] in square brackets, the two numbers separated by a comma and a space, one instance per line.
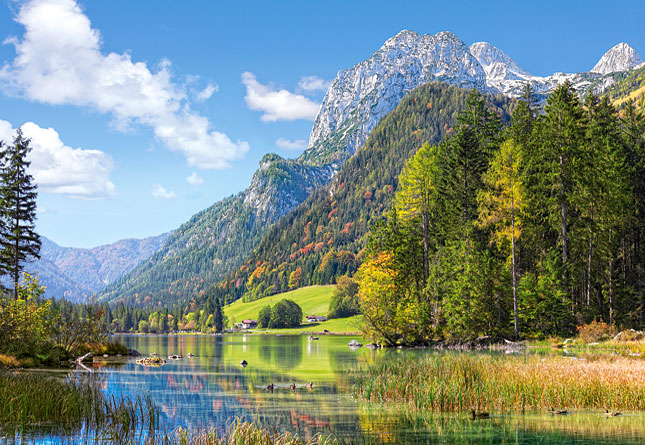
[454, 382]
[75, 410]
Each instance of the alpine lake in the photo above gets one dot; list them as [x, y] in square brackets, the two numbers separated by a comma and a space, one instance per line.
[211, 389]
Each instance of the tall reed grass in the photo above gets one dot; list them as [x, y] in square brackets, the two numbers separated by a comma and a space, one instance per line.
[460, 382]
[243, 433]
[73, 410]
[63, 406]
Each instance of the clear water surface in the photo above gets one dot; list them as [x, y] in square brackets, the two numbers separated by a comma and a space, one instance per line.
[211, 390]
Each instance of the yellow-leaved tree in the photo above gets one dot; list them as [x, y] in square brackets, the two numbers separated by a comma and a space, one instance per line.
[501, 203]
[388, 310]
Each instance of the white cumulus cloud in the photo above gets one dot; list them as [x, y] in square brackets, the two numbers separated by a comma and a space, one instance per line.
[286, 144]
[59, 61]
[277, 105]
[159, 192]
[313, 83]
[207, 92]
[57, 168]
[194, 179]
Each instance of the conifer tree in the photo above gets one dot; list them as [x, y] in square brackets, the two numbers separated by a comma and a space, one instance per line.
[418, 194]
[18, 238]
[218, 317]
[561, 136]
[501, 204]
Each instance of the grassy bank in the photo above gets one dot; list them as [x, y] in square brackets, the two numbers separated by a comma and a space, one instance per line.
[459, 382]
[314, 300]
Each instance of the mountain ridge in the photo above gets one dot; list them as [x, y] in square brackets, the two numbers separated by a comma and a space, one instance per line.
[357, 99]
[77, 273]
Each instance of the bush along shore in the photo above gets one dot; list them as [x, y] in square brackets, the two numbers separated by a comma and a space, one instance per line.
[454, 382]
[36, 332]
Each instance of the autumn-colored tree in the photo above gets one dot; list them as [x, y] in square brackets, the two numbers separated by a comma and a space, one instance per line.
[501, 204]
[418, 195]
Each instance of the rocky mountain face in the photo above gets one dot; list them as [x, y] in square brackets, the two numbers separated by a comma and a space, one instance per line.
[621, 57]
[221, 238]
[360, 96]
[76, 274]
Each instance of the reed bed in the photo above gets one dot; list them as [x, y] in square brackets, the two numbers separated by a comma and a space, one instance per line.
[64, 406]
[460, 382]
[243, 433]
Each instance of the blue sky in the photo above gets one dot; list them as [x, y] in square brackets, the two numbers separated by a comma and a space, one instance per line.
[146, 112]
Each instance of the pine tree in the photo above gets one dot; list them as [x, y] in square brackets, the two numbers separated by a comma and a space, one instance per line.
[218, 318]
[19, 240]
[561, 137]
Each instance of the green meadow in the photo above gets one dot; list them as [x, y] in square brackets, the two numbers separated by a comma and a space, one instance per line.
[314, 300]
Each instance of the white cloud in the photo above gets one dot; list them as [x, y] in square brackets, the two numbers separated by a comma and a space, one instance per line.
[277, 105]
[286, 144]
[313, 83]
[158, 192]
[57, 168]
[6, 132]
[194, 179]
[59, 61]
[207, 92]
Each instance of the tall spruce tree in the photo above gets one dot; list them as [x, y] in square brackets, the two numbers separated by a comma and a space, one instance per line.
[561, 136]
[218, 318]
[18, 239]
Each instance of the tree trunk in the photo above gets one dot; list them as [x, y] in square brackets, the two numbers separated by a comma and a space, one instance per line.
[611, 293]
[426, 248]
[16, 233]
[515, 318]
[564, 234]
[589, 272]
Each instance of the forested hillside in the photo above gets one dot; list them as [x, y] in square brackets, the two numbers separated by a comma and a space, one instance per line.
[532, 230]
[323, 237]
[630, 89]
[218, 239]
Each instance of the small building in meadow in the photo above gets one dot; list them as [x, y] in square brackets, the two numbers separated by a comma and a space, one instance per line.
[315, 318]
[249, 324]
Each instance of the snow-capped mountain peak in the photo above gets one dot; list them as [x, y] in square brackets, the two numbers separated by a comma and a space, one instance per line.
[360, 96]
[621, 57]
[496, 63]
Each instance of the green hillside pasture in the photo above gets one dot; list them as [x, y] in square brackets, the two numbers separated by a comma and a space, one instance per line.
[314, 300]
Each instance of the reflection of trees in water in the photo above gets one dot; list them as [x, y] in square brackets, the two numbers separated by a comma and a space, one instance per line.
[283, 352]
[403, 426]
[209, 390]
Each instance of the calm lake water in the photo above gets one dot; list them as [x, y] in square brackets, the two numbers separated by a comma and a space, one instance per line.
[211, 389]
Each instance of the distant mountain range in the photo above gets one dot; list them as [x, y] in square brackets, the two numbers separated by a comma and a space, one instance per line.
[222, 238]
[77, 274]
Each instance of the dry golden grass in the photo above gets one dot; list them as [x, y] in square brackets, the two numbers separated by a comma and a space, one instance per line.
[459, 382]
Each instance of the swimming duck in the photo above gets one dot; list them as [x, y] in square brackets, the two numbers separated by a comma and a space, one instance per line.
[292, 387]
[481, 415]
[612, 413]
[310, 385]
[560, 412]
[270, 387]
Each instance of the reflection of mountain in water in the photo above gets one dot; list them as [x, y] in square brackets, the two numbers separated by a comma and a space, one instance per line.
[211, 390]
